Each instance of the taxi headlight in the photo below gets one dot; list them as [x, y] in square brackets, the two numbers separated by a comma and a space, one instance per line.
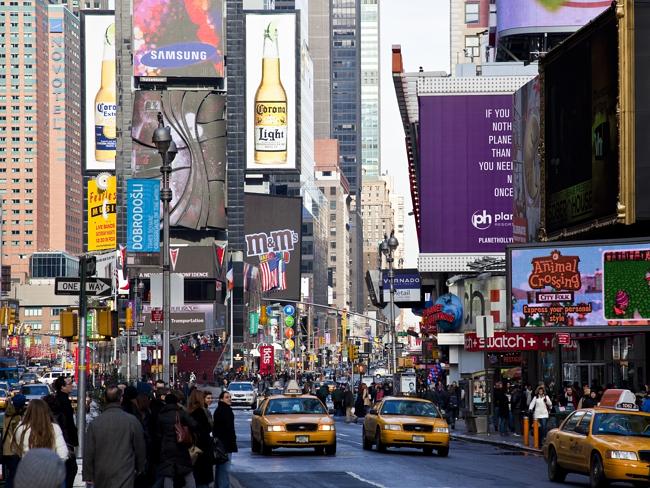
[275, 428]
[626, 455]
[392, 427]
[326, 427]
[441, 430]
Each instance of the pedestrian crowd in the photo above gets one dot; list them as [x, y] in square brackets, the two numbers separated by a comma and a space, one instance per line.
[144, 437]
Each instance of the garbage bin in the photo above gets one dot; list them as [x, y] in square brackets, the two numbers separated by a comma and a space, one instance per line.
[481, 424]
[470, 424]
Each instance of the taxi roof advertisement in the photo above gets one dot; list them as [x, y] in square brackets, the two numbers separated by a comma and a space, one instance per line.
[581, 285]
[466, 173]
[521, 16]
[178, 39]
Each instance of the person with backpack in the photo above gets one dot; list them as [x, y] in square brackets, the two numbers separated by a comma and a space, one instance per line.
[63, 413]
[13, 415]
[452, 405]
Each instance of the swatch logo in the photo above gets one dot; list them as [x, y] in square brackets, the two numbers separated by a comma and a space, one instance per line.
[179, 55]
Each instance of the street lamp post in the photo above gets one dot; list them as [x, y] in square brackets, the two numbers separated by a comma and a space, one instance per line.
[162, 138]
[388, 247]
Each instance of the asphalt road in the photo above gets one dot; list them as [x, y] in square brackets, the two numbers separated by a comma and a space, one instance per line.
[469, 465]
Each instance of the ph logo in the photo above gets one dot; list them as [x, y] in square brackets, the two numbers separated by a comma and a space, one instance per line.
[481, 220]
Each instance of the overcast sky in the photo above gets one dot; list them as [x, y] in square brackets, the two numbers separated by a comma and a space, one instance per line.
[421, 27]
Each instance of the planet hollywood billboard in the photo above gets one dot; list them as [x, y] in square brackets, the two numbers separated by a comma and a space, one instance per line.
[466, 173]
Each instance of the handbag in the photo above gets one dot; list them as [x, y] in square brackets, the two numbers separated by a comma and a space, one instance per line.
[220, 453]
[183, 435]
[195, 452]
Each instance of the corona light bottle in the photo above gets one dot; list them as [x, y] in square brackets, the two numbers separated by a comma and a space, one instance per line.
[105, 103]
[270, 118]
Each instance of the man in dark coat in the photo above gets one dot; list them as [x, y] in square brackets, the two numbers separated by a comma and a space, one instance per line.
[223, 428]
[63, 413]
[115, 450]
[174, 457]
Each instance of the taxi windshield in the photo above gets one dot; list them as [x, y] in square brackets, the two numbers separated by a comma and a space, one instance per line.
[621, 424]
[295, 406]
[406, 407]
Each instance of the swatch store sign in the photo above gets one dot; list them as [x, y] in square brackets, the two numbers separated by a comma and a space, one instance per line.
[406, 283]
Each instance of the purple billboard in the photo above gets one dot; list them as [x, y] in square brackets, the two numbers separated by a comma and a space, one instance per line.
[521, 16]
[466, 173]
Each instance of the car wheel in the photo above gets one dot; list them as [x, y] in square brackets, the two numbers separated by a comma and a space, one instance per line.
[555, 472]
[427, 450]
[597, 472]
[367, 444]
[443, 451]
[380, 445]
[255, 445]
[331, 450]
[320, 450]
[264, 449]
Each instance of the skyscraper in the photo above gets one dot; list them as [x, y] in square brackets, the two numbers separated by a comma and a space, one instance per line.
[319, 46]
[370, 128]
[24, 132]
[66, 207]
[346, 87]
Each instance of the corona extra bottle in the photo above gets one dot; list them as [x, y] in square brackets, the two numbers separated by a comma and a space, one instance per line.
[270, 118]
[105, 103]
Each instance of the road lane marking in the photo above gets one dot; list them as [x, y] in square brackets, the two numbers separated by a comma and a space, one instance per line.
[344, 435]
[371, 483]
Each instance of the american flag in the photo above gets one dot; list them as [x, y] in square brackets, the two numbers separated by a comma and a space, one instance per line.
[282, 271]
[269, 270]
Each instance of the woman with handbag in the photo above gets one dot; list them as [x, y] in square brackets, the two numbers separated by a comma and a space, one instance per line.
[174, 435]
[539, 408]
[201, 451]
[223, 431]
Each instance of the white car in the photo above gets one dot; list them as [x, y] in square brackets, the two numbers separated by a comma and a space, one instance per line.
[49, 377]
[243, 393]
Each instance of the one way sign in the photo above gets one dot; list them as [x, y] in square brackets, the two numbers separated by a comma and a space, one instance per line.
[99, 287]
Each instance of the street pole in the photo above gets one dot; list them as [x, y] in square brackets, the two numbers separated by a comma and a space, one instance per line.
[393, 338]
[232, 331]
[167, 149]
[81, 359]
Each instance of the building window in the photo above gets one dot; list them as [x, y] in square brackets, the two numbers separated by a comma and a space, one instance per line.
[471, 13]
[33, 312]
[472, 47]
[55, 326]
[333, 190]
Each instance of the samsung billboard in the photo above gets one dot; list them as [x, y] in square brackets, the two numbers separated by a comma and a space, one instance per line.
[466, 173]
[178, 39]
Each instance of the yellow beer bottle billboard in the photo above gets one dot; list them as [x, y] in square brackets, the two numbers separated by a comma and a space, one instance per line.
[270, 118]
[105, 103]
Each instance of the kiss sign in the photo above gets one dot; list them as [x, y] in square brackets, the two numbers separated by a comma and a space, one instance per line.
[267, 365]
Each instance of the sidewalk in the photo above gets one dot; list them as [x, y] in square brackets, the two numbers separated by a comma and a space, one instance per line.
[510, 441]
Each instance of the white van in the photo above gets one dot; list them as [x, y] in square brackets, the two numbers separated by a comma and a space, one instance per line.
[49, 377]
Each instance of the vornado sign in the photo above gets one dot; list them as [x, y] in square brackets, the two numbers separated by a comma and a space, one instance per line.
[143, 215]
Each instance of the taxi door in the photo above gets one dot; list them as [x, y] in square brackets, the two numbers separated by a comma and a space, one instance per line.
[582, 445]
[567, 439]
[372, 419]
[256, 421]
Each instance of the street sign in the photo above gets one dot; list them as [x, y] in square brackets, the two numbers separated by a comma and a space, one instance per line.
[156, 315]
[98, 287]
[398, 345]
[140, 325]
[131, 332]
[396, 311]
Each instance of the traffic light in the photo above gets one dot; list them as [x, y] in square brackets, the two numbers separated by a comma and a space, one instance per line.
[263, 317]
[107, 322]
[91, 266]
[12, 321]
[3, 315]
[129, 317]
[353, 352]
[344, 323]
[69, 324]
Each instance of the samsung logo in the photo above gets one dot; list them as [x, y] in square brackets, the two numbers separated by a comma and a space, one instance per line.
[179, 55]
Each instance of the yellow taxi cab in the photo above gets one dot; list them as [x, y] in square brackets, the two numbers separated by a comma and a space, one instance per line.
[406, 422]
[608, 443]
[4, 398]
[292, 420]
